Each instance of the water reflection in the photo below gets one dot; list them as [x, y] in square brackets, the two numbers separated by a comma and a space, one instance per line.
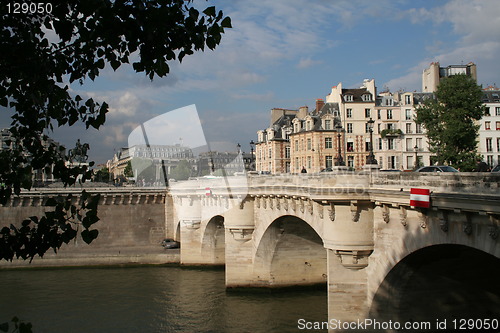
[150, 299]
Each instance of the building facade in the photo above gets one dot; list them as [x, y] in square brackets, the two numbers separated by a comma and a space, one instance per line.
[489, 130]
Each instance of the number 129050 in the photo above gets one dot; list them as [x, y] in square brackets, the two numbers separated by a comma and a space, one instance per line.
[29, 8]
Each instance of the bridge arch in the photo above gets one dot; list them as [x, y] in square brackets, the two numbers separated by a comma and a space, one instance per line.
[213, 241]
[290, 252]
[438, 282]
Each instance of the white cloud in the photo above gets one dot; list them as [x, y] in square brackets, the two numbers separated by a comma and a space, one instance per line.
[308, 62]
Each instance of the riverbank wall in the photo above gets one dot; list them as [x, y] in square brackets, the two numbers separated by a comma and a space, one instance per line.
[131, 228]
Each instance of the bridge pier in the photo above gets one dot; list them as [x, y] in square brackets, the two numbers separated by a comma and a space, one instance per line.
[239, 222]
[349, 240]
[347, 289]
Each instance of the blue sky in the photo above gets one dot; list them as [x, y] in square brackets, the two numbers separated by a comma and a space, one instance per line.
[287, 53]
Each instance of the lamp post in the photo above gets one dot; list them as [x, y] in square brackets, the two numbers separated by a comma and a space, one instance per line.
[371, 157]
[340, 160]
[252, 166]
[416, 156]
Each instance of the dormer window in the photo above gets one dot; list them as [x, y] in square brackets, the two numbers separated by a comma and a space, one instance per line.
[328, 124]
[348, 98]
[366, 97]
[389, 102]
[407, 99]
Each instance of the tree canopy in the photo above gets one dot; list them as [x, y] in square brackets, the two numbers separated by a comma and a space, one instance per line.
[43, 52]
[449, 120]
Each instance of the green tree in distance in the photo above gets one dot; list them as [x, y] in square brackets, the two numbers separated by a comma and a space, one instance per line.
[35, 74]
[449, 120]
[128, 172]
[182, 171]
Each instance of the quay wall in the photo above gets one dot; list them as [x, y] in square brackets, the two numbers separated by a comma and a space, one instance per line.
[131, 227]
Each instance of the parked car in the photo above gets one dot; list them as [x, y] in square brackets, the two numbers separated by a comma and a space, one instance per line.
[327, 170]
[496, 169]
[169, 243]
[437, 168]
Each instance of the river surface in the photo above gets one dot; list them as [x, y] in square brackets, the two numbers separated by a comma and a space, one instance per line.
[149, 299]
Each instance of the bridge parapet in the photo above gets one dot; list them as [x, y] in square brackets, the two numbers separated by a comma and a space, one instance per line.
[450, 182]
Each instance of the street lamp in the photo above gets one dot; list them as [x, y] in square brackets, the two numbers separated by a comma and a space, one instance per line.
[416, 157]
[251, 154]
[340, 160]
[371, 157]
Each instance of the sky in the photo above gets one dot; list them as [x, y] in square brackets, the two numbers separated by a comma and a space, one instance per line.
[288, 53]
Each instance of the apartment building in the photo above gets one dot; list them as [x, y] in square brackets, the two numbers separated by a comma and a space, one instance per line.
[489, 131]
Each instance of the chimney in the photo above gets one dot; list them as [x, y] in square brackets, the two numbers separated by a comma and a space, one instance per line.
[319, 104]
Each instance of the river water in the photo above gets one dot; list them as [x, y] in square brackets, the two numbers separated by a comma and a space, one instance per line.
[149, 299]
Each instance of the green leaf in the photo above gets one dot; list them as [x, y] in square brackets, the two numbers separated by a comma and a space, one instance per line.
[210, 11]
[226, 22]
[89, 235]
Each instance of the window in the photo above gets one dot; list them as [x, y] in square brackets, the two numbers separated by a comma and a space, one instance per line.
[328, 143]
[407, 99]
[328, 161]
[366, 97]
[367, 113]
[349, 127]
[487, 111]
[489, 160]
[489, 146]
[378, 128]
[419, 144]
[409, 145]
[328, 124]
[350, 146]
[379, 116]
[497, 111]
[309, 162]
[389, 102]
[389, 114]
[390, 126]
[379, 143]
[367, 146]
[350, 161]
[270, 152]
[296, 163]
[408, 114]
[418, 129]
[349, 113]
[390, 144]
[497, 125]
[348, 98]
[498, 147]
[296, 145]
[287, 152]
[487, 125]
[308, 144]
[408, 128]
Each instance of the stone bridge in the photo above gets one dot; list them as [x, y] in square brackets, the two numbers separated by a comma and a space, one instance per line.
[355, 232]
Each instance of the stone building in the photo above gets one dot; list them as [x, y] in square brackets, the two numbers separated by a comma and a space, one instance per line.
[300, 139]
[489, 131]
[41, 177]
[432, 75]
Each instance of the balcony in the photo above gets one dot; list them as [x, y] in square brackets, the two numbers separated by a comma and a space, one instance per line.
[391, 133]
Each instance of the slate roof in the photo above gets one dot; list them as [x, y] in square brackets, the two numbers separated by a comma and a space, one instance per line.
[491, 96]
